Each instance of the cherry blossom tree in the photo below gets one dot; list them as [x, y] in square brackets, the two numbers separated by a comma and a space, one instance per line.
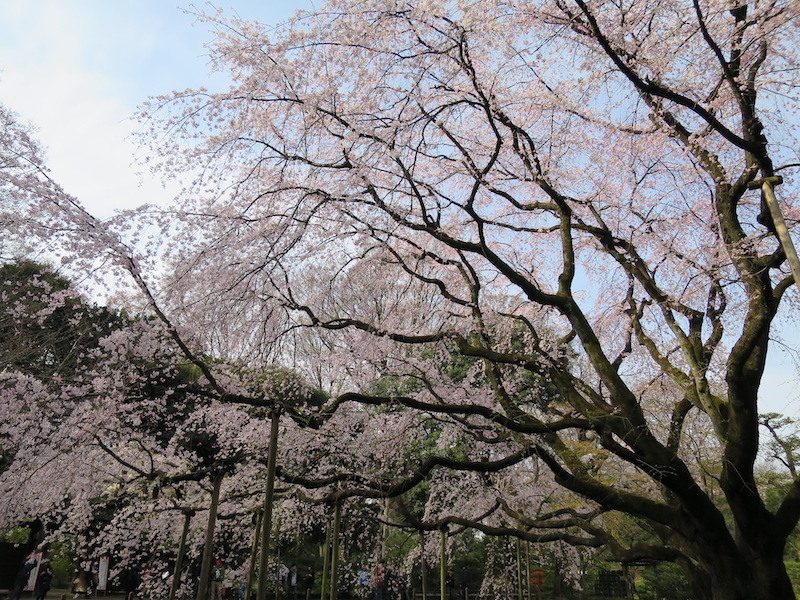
[111, 435]
[114, 429]
[558, 189]
[559, 193]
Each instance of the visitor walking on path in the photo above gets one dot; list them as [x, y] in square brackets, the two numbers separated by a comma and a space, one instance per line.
[23, 574]
[44, 581]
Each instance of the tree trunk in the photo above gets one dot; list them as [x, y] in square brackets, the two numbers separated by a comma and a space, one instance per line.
[760, 579]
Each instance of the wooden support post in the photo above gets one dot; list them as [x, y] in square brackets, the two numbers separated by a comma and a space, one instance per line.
[266, 524]
[326, 557]
[528, 566]
[176, 575]
[337, 519]
[423, 566]
[208, 549]
[767, 185]
[442, 562]
[251, 569]
[519, 569]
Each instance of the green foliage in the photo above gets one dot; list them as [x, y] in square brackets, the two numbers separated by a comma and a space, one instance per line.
[783, 440]
[47, 331]
[16, 535]
[666, 581]
[773, 487]
[470, 553]
[793, 570]
[62, 557]
[46, 328]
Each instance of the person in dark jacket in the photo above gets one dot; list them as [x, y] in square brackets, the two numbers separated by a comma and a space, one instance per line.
[308, 580]
[44, 581]
[22, 576]
[450, 584]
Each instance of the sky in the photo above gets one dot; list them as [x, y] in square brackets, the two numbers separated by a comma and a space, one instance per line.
[78, 69]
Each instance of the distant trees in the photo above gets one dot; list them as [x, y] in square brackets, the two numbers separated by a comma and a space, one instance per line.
[46, 329]
[49, 338]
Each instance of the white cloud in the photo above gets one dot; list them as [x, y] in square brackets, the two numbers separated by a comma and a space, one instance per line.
[77, 69]
[69, 74]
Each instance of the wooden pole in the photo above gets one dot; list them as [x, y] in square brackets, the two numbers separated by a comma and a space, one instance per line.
[422, 566]
[326, 557]
[266, 524]
[442, 561]
[528, 565]
[176, 576]
[208, 549]
[519, 569]
[251, 570]
[384, 530]
[279, 589]
[767, 186]
[337, 519]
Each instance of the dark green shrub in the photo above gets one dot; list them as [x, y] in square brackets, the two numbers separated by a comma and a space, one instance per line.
[664, 582]
[793, 569]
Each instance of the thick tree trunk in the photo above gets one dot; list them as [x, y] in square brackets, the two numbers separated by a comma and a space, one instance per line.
[761, 579]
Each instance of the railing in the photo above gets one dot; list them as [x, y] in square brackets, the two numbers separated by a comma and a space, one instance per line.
[457, 595]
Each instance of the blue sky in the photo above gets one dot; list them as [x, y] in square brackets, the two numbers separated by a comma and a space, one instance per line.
[77, 70]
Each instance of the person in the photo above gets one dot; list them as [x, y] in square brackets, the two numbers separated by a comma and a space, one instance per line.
[283, 574]
[292, 581]
[217, 575]
[44, 581]
[94, 575]
[380, 580]
[145, 574]
[308, 581]
[363, 579]
[450, 584]
[464, 582]
[23, 574]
